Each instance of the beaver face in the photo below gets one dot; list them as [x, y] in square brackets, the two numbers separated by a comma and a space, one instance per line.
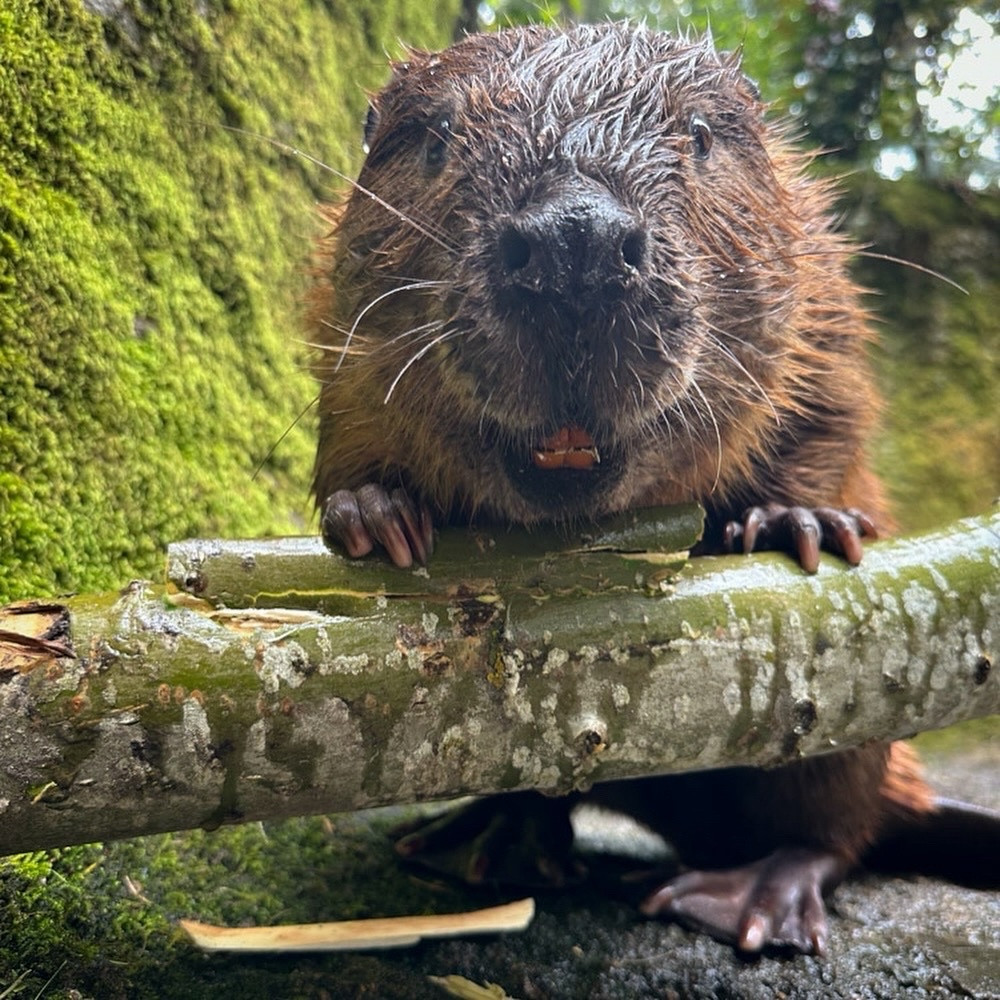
[584, 250]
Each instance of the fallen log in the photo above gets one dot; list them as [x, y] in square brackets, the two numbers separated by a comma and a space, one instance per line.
[273, 678]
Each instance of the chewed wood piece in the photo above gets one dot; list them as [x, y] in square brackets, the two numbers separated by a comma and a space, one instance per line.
[379, 932]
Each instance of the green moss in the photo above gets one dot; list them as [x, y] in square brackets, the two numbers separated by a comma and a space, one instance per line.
[972, 737]
[102, 919]
[151, 268]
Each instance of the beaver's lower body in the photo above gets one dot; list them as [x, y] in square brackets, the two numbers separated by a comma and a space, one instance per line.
[764, 847]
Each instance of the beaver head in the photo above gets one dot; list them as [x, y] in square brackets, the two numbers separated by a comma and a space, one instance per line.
[569, 280]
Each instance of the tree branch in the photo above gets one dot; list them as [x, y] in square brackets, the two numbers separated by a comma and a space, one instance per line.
[284, 680]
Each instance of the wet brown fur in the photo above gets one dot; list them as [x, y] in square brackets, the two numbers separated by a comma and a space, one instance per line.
[734, 374]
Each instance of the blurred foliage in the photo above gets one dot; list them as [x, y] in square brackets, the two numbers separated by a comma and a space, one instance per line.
[909, 84]
[939, 352]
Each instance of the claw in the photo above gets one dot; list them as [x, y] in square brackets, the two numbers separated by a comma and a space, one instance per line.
[416, 526]
[755, 933]
[519, 839]
[356, 520]
[804, 528]
[774, 902]
[754, 519]
[802, 531]
[342, 524]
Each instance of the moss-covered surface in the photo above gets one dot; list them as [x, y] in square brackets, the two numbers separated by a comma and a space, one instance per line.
[100, 919]
[151, 266]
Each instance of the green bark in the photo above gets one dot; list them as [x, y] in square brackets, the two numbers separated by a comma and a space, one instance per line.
[585, 663]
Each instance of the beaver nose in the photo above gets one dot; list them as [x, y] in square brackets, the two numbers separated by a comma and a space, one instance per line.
[577, 243]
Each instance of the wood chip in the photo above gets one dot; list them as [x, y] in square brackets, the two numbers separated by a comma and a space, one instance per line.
[466, 989]
[380, 932]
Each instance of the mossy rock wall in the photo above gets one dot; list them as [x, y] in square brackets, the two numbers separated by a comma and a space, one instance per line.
[153, 255]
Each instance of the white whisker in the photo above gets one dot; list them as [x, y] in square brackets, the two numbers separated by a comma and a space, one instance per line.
[411, 287]
[718, 435]
[743, 370]
[316, 161]
[430, 345]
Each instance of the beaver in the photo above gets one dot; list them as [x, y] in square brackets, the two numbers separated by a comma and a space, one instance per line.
[580, 273]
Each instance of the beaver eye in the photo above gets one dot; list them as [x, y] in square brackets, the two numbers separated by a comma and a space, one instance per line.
[701, 136]
[436, 146]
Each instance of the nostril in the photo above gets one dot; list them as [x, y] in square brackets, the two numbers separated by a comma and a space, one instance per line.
[634, 249]
[515, 250]
[576, 240]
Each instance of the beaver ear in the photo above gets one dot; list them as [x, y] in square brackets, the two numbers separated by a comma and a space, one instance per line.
[733, 59]
[752, 86]
[371, 123]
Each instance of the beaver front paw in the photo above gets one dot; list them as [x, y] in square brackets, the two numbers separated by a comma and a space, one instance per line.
[776, 902]
[802, 532]
[356, 520]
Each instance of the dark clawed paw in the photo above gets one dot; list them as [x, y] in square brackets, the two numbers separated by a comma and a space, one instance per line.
[522, 839]
[357, 520]
[776, 902]
[801, 531]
